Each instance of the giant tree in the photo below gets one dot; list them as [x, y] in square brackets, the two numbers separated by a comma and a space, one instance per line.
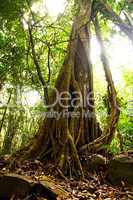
[64, 140]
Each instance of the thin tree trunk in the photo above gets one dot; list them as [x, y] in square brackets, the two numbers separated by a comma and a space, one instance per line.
[5, 111]
[37, 65]
[12, 125]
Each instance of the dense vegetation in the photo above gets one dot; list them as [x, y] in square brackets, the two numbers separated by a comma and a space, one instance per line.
[33, 46]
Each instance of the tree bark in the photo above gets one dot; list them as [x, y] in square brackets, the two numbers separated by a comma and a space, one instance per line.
[60, 141]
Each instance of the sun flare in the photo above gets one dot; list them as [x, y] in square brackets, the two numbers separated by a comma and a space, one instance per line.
[55, 7]
[52, 7]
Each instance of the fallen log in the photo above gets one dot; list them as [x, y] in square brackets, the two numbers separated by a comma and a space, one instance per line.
[17, 186]
[13, 185]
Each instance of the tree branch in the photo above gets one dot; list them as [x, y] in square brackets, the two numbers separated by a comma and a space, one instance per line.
[126, 28]
[49, 70]
[36, 62]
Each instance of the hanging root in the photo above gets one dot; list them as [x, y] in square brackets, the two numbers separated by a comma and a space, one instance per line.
[110, 130]
[75, 155]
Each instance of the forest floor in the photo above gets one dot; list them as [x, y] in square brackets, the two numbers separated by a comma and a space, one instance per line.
[94, 186]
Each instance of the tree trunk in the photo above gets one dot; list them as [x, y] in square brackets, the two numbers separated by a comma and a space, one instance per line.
[59, 141]
[10, 132]
[5, 111]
